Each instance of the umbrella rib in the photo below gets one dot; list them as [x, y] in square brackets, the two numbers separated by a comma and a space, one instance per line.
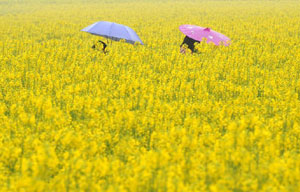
[129, 34]
[109, 35]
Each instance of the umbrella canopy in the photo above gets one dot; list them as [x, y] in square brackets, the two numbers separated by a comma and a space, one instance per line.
[197, 33]
[113, 31]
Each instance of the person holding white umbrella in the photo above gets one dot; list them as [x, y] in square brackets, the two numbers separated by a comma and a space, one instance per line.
[113, 31]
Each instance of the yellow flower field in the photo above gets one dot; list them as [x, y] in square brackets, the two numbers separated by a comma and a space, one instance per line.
[147, 118]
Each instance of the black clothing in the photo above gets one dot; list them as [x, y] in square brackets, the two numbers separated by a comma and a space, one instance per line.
[104, 46]
[190, 43]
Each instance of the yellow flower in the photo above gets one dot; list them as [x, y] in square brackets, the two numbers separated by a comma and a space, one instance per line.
[146, 117]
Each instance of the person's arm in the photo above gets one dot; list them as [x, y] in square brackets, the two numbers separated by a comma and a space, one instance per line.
[104, 45]
[184, 41]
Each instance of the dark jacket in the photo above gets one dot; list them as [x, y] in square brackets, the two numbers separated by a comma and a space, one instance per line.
[190, 43]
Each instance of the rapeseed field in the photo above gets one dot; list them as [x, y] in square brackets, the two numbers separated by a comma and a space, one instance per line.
[147, 118]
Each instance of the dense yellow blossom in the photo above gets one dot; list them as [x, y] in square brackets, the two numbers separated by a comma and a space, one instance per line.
[147, 118]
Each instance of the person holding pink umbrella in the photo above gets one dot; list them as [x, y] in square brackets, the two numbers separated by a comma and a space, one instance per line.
[196, 34]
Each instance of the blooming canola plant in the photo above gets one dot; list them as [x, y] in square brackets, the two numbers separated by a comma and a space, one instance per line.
[148, 118]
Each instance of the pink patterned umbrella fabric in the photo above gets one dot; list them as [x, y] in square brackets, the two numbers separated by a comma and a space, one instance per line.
[197, 33]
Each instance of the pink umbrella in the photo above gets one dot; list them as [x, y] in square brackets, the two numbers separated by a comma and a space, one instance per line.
[197, 33]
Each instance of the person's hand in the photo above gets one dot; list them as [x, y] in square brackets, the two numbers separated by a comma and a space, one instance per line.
[182, 50]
